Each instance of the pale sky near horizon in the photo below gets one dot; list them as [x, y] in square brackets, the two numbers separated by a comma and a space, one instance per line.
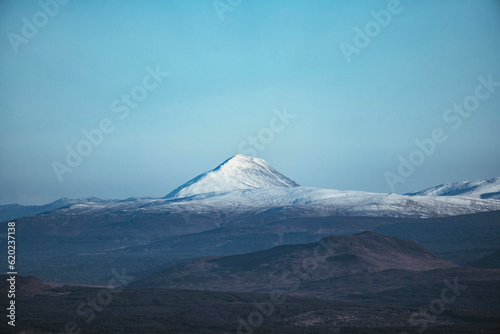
[228, 79]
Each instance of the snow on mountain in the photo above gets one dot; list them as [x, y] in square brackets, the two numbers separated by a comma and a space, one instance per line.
[248, 186]
[298, 201]
[484, 189]
[307, 201]
[13, 211]
[236, 173]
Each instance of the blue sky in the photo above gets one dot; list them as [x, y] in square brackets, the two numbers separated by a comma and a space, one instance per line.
[227, 78]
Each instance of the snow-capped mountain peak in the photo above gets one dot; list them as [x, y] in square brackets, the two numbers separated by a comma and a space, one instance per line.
[237, 173]
[484, 189]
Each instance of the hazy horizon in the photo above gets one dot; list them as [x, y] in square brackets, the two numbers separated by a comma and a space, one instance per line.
[175, 88]
[163, 195]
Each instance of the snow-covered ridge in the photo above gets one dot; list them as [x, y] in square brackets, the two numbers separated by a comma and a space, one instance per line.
[237, 173]
[247, 186]
[329, 202]
[301, 201]
[484, 189]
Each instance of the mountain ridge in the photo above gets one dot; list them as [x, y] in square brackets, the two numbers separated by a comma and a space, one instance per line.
[243, 185]
[339, 256]
[482, 189]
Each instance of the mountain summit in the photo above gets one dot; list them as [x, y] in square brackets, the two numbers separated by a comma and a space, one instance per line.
[236, 173]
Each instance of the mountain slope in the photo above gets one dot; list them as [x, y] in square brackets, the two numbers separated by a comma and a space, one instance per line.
[307, 201]
[296, 201]
[238, 172]
[335, 256]
[27, 286]
[13, 211]
[484, 189]
[386, 280]
[490, 261]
